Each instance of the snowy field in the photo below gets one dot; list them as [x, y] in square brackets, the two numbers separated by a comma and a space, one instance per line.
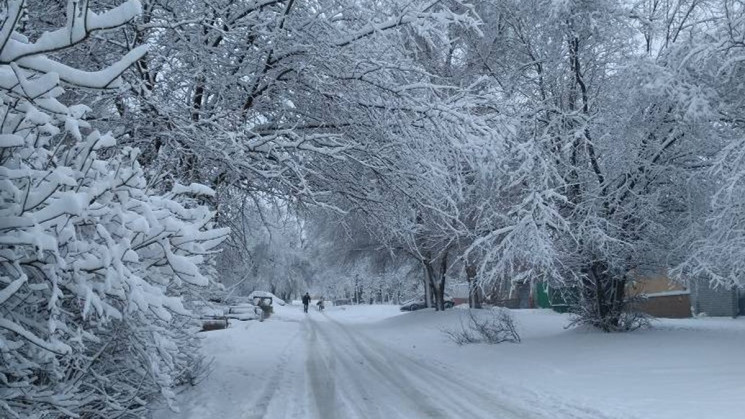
[376, 362]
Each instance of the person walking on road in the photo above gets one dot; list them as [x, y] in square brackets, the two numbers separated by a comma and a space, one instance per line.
[306, 301]
[320, 304]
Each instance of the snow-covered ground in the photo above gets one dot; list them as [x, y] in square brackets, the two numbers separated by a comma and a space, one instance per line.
[376, 362]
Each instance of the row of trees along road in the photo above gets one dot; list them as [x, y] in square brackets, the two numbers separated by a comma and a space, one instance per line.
[575, 142]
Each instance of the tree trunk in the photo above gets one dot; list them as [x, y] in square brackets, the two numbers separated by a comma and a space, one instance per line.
[428, 281]
[440, 288]
[357, 290]
[604, 296]
[474, 293]
[435, 281]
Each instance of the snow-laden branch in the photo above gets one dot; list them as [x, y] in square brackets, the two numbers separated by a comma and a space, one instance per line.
[13, 13]
[81, 21]
[406, 18]
[11, 288]
[94, 265]
[90, 79]
[57, 347]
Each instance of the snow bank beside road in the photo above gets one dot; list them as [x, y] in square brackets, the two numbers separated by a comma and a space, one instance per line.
[681, 368]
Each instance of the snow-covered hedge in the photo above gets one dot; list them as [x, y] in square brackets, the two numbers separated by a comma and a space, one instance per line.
[92, 262]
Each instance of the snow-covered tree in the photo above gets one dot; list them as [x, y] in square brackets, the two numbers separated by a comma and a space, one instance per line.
[714, 249]
[352, 264]
[299, 100]
[270, 96]
[93, 262]
[609, 137]
[268, 249]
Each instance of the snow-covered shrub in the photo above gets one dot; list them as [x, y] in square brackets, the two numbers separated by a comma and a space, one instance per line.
[93, 263]
[621, 317]
[490, 326]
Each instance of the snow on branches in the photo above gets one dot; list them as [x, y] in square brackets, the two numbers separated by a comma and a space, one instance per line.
[92, 262]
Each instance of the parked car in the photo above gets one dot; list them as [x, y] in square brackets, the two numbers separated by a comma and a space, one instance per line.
[419, 302]
[273, 299]
[243, 312]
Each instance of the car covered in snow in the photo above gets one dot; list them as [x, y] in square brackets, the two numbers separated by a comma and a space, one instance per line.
[243, 312]
[264, 296]
[419, 302]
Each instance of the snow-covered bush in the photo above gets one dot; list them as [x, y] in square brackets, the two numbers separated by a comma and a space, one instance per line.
[93, 264]
[490, 326]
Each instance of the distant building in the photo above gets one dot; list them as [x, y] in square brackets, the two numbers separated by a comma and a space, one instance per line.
[721, 301]
[516, 295]
[662, 296]
[665, 298]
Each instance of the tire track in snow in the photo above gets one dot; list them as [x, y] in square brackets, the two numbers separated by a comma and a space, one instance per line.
[262, 402]
[365, 389]
[543, 405]
[384, 383]
[320, 368]
[460, 396]
[435, 393]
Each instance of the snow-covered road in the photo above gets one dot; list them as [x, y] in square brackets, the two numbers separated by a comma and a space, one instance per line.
[352, 375]
[316, 366]
[376, 362]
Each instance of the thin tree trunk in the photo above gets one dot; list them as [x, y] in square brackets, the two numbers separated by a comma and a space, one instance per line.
[474, 295]
[428, 281]
[440, 289]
